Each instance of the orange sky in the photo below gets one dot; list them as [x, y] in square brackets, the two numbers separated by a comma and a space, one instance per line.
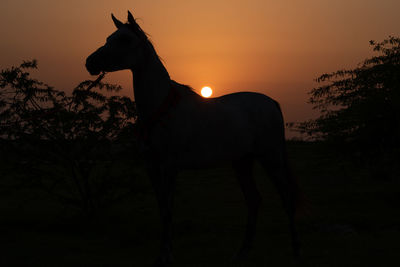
[276, 47]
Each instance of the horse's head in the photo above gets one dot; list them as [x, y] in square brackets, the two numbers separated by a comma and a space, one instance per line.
[123, 49]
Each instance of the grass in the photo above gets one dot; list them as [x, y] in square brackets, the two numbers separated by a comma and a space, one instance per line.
[354, 221]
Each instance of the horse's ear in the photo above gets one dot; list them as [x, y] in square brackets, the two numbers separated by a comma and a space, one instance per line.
[131, 20]
[117, 23]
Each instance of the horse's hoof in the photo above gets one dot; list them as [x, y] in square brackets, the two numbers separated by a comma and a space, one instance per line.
[163, 261]
[242, 255]
[298, 258]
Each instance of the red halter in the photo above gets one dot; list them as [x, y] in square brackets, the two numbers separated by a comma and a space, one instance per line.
[162, 112]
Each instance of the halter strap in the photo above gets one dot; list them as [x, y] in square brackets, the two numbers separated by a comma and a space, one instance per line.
[171, 100]
[95, 82]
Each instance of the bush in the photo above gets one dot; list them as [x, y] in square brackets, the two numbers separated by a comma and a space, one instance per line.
[66, 144]
[360, 108]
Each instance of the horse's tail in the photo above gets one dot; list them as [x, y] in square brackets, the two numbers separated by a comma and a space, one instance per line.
[299, 199]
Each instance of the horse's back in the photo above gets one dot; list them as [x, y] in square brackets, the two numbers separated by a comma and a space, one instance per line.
[255, 108]
[262, 121]
[229, 127]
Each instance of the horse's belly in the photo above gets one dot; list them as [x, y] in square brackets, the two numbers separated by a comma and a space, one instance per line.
[210, 150]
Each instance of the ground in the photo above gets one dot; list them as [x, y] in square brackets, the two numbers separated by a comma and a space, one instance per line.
[354, 220]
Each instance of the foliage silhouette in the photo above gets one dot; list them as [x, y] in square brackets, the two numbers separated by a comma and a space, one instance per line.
[360, 108]
[67, 144]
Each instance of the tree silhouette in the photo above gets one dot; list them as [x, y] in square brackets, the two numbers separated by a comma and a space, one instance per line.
[64, 144]
[360, 108]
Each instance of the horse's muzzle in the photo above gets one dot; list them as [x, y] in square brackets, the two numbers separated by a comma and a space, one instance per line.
[91, 67]
[94, 63]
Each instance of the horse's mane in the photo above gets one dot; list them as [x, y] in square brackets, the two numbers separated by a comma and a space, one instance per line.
[182, 87]
[136, 29]
[145, 37]
[142, 35]
[179, 85]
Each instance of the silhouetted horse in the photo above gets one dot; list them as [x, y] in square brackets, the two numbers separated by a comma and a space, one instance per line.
[183, 130]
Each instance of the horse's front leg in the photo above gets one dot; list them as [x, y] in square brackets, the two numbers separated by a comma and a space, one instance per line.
[163, 181]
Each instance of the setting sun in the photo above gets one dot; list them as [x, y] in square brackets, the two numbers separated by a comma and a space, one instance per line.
[206, 91]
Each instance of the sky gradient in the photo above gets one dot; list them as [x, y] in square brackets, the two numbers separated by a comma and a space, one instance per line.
[275, 47]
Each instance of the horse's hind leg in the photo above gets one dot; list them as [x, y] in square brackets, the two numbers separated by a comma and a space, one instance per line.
[278, 170]
[244, 173]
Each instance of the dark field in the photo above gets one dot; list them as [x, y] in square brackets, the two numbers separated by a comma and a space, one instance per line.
[354, 221]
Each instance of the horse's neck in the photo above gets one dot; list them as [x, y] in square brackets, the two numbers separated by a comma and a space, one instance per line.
[151, 85]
